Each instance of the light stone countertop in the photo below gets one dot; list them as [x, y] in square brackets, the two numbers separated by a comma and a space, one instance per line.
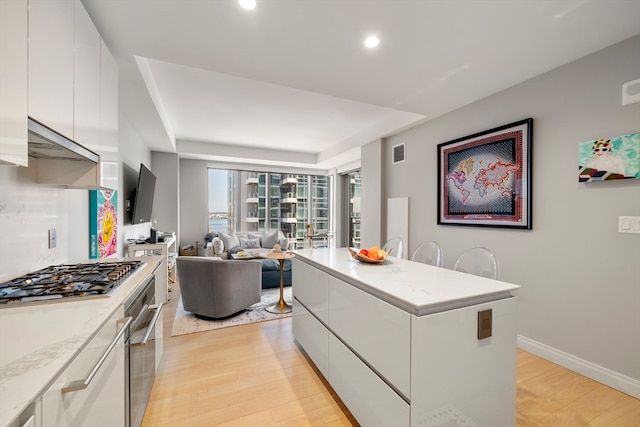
[39, 340]
[416, 288]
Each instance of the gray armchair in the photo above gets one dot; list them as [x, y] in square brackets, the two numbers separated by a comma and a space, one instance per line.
[216, 288]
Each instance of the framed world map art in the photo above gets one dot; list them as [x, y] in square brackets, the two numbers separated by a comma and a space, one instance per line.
[484, 179]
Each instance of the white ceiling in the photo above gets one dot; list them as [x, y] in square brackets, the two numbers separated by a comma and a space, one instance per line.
[291, 83]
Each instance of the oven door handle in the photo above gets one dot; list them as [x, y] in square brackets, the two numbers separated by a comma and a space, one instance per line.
[82, 384]
[158, 309]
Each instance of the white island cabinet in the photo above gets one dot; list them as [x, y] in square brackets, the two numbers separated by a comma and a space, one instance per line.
[407, 344]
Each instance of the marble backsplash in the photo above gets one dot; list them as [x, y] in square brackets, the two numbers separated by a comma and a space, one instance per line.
[29, 210]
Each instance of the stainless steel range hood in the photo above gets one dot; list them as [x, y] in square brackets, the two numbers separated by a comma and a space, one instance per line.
[57, 160]
[45, 143]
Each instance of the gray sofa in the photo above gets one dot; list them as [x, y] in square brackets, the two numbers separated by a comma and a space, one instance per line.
[249, 241]
[256, 242]
[217, 288]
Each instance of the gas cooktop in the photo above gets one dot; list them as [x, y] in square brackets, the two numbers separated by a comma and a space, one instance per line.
[66, 281]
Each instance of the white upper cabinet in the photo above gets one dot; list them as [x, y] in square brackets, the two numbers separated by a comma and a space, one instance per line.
[109, 104]
[51, 38]
[13, 82]
[56, 69]
[86, 85]
[72, 89]
[108, 118]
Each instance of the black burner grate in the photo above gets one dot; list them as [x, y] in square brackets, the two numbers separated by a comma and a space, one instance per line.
[67, 280]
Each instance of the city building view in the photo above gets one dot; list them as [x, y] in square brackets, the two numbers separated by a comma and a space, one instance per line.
[297, 205]
[354, 208]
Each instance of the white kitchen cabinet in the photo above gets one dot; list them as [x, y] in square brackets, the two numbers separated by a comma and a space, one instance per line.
[377, 331]
[30, 417]
[41, 341]
[13, 82]
[86, 80]
[102, 402]
[51, 67]
[312, 335]
[368, 397]
[456, 376]
[407, 344]
[73, 89]
[108, 118]
[311, 313]
[56, 69]
[313, 291]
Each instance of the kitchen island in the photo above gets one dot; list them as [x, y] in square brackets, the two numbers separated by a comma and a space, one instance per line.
[408, 344]
[40, 340]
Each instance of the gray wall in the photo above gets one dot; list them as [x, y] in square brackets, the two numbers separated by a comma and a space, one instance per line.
[166, 203]
[580, 298]
[131, 152]
[371, 175]
[194, 200]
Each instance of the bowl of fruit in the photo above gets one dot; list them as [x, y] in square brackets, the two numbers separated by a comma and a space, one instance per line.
[373, 255]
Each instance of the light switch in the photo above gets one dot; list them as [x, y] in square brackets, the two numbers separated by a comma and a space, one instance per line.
[629, 224]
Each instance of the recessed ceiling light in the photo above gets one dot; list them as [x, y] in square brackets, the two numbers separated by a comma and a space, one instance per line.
[371, 41]
[248, 4]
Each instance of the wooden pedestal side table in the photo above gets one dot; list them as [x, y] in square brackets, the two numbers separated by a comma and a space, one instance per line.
[281, 306]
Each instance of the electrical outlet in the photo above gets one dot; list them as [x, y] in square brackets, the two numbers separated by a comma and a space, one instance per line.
[53, 240]
[629, 224]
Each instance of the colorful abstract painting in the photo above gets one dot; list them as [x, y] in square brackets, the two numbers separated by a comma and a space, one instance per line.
[609, 159]
[103, 223]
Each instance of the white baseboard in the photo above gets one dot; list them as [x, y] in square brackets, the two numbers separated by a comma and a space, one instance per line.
[598, 373]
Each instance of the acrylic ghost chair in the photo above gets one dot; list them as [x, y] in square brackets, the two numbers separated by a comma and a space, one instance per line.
[428, 253]
[396, 246]
[479, 261]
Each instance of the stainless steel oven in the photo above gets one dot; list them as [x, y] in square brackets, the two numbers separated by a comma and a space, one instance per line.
[141, 350]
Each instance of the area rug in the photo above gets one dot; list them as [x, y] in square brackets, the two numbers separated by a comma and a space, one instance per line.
[186, 323]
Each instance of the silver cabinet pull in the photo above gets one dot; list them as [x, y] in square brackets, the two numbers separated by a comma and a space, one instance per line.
[158, 308]
[82, 384]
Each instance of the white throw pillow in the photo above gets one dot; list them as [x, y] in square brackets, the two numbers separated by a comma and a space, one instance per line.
[218, 246]
[229, 240]
[270, 238]
[256, 236]
[250, 243]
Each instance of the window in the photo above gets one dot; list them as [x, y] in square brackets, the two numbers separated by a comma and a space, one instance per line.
[353, 192]
[219, 207]
[258, 201]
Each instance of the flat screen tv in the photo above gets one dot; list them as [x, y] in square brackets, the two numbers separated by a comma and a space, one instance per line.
[143, 196]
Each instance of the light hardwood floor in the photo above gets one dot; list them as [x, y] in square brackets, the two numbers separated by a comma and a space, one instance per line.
[255, 376]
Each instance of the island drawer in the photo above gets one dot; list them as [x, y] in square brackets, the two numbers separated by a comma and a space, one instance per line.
[312, 335]
[369, 399]
[311, 287]
[378, 332]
